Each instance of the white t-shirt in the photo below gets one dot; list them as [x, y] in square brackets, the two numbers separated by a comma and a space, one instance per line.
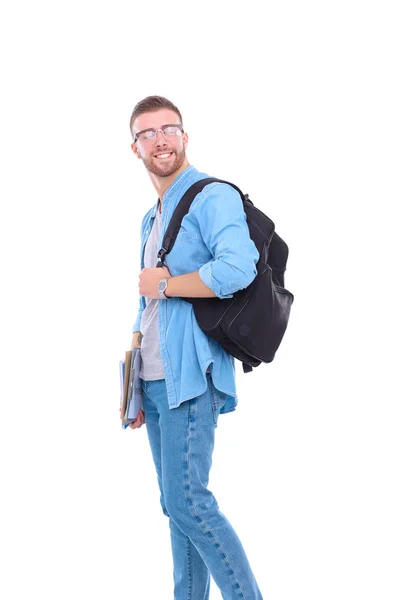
[152, 367]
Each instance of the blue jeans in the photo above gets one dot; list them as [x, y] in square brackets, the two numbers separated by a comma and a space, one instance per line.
[203, 541]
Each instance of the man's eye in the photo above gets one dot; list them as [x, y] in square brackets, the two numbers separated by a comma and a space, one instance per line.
[171, 130]
[148, 135]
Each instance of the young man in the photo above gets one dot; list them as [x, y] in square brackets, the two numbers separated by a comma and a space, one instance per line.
[188, 379]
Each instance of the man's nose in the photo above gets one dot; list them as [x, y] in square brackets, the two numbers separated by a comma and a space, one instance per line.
[160, 139]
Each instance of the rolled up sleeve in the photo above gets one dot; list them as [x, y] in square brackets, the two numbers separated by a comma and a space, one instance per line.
[223, 226]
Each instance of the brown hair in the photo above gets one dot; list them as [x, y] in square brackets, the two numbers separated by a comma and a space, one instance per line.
[151, 104]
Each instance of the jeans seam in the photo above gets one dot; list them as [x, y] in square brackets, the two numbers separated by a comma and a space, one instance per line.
[223, 553]
[190, 569]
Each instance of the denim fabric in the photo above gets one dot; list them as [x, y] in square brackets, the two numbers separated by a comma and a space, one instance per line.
[214, 239]
[203, 541]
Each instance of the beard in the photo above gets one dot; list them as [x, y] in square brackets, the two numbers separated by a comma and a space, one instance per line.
[167, 168]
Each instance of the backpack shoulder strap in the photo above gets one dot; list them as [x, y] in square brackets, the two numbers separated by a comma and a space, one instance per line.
[182, 209]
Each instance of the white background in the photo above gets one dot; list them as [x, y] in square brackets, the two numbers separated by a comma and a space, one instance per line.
[298, 104]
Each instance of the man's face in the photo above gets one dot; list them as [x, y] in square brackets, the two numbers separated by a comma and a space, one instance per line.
[164, 155]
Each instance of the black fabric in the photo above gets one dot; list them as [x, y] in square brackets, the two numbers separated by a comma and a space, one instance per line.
[251, 324]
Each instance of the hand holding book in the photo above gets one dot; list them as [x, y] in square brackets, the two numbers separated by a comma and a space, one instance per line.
[140, 419]
[131, 401]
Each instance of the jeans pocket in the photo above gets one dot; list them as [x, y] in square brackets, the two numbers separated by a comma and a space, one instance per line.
[217, 398]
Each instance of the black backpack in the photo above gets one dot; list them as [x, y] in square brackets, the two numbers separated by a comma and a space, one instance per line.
[251, 324]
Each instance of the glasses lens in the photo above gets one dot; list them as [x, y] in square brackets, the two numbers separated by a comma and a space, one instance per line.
[172, 130]
[148, 135]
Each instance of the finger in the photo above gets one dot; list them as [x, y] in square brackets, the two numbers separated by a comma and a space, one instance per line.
[135, 424]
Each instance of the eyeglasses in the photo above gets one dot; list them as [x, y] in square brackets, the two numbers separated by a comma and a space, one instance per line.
[168, 131]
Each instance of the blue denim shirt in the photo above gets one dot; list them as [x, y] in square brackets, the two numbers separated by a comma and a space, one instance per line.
[214, 240]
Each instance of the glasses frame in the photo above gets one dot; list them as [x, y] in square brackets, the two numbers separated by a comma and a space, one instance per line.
[136, 135]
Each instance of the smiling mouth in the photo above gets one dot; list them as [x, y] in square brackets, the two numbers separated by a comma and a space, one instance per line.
[164, 155]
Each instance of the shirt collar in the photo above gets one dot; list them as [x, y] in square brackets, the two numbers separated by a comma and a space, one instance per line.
[175, 185]
[178, 181]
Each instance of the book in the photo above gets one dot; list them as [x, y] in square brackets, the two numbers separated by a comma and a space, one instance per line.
[131, 400]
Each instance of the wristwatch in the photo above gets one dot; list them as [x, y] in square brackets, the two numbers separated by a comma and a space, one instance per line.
[161, 287]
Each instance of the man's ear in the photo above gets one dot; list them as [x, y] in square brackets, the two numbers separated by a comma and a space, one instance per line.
[185, 140]
[135, 150]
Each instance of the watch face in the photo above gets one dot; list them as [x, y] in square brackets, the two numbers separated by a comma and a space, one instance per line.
[162, 286]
